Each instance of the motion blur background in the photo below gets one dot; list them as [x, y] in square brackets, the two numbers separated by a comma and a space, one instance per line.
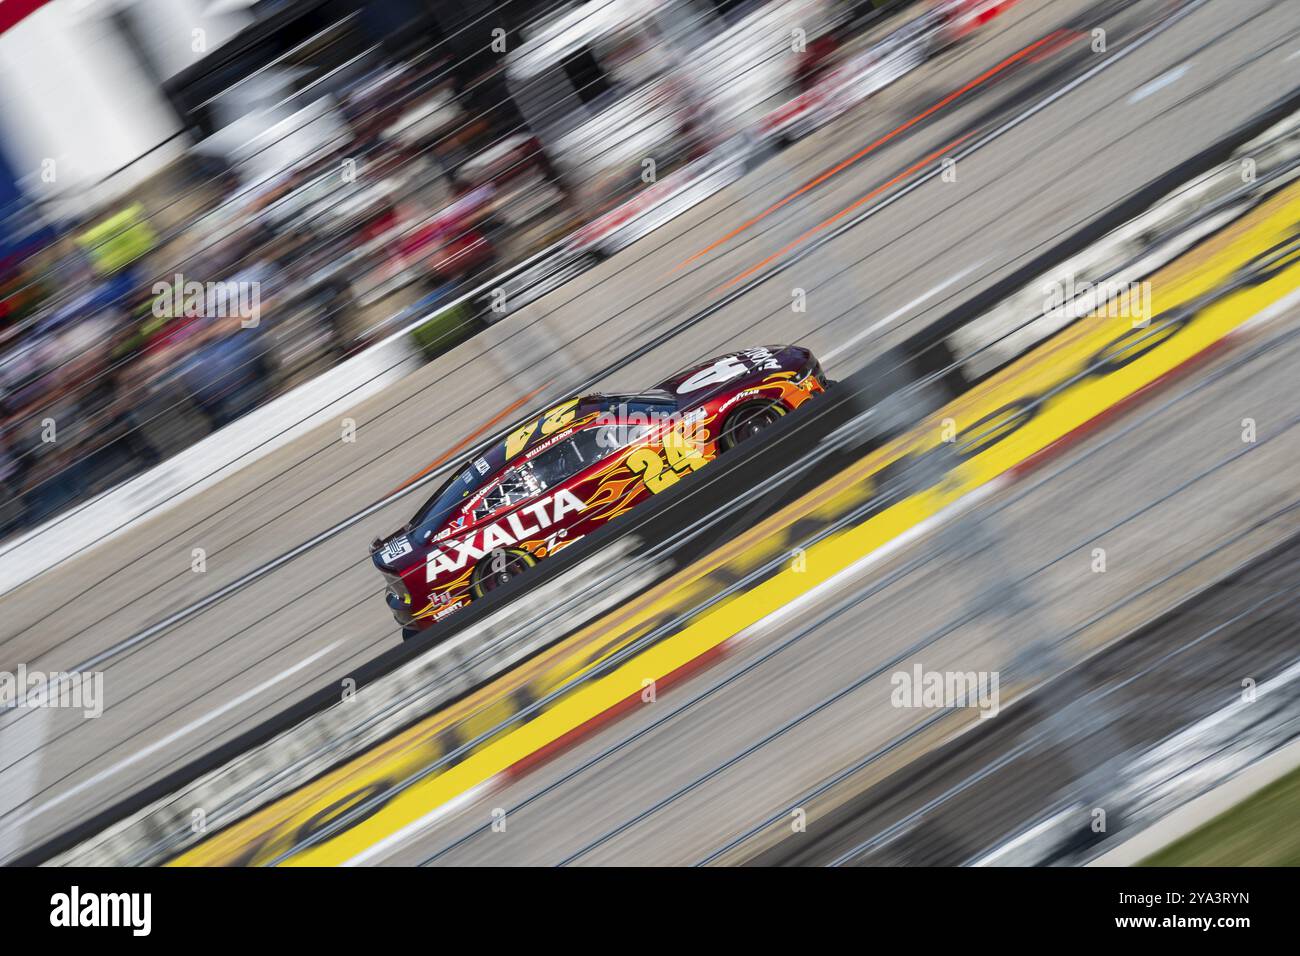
[359, 162]
[455, 211]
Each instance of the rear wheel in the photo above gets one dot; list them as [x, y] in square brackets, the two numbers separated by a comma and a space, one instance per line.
[498, 569]
[747, 421]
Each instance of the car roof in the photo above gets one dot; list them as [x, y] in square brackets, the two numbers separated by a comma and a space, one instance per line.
[488, 459]
[494, 451]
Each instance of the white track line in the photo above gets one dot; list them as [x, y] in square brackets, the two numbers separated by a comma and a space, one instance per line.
[1160, 82]
[21, 782]
[891, 547]
[1229, 793]
[397, 837]
[902, 310]
[175, 735]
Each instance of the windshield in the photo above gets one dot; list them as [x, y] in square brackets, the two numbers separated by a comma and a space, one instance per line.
[459, 486]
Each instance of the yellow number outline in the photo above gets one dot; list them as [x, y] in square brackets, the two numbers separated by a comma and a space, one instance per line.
[551, 422]
[681, 456]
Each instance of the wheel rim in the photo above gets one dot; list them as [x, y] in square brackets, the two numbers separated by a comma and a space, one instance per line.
[748, 422]
[516, 562]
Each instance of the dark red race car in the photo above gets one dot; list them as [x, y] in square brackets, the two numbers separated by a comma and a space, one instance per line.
[561, 475]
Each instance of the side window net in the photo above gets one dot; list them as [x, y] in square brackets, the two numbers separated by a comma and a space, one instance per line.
[517, 485]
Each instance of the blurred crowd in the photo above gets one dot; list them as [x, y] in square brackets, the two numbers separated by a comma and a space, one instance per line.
[429, 177]
[98, 383]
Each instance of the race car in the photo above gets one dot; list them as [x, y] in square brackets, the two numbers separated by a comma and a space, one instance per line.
[558, 476]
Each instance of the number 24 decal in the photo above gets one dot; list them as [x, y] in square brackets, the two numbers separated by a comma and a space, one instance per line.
[551, 422]
[680, 457]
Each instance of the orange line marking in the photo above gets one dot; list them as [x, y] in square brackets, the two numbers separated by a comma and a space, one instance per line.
[847, 209]
[454, 449]
[813, 183]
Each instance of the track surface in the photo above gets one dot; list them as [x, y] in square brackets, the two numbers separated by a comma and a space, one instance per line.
[1074, 739]
[179, 694]
[1015, 593]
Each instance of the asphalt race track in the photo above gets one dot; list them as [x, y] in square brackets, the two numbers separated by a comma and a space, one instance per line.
[1014, 591]
[1246, 624]
[177, 694]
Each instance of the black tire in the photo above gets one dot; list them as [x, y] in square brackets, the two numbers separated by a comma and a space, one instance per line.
[485, 579]
[747, 421]
[410, 632]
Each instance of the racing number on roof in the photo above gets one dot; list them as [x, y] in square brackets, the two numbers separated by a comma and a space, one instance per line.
[682, 457]
[551, 422]
[723, 370]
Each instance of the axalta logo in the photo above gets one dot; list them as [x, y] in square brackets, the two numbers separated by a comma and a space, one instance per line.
[515, 527]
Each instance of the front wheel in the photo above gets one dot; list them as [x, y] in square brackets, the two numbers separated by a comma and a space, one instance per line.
[498, 569]
[747, 421]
